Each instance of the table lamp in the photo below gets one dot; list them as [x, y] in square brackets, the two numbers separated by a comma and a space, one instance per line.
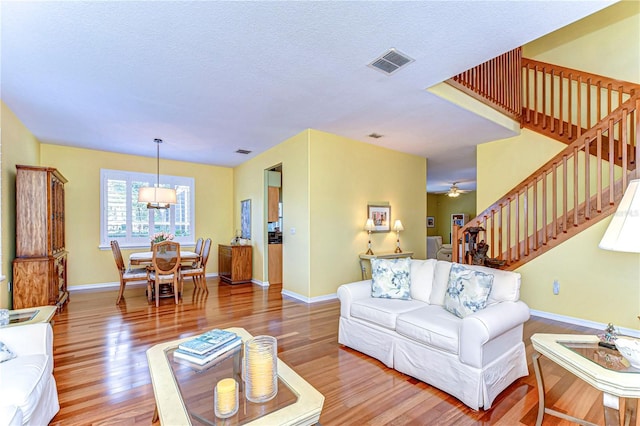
[624, 228]
[369, 226]
[397, 226]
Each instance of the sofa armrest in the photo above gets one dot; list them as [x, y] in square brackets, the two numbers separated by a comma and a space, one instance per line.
[347, 293]
[28, 339]
[487, 324]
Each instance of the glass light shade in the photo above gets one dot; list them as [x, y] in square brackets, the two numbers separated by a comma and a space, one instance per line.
[397, 226]
[624, 228]
[369, 226]
[155, 195]
[453, 194]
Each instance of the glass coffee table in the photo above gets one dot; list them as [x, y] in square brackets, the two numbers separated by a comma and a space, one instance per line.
[184, 391]
[604, 369]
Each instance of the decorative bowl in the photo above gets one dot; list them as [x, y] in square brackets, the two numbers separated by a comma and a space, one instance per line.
[630, 349]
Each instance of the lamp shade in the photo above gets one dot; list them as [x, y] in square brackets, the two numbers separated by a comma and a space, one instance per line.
[369, 226]
[397, 226]
[155, 195]
[623, 233]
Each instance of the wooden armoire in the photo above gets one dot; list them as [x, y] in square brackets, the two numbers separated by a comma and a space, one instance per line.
[40, 266]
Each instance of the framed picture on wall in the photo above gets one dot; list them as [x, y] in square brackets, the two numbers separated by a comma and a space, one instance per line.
[431, 222]
[245, 219]
[381, 216]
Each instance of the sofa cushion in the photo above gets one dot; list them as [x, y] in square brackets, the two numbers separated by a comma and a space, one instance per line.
[468, 290]
[5, 353]
[431, 325]
[422, 278]
[10, 415]
[382, 312]
[440, 282]
[391, 278]
[28, 376]
[506, 284]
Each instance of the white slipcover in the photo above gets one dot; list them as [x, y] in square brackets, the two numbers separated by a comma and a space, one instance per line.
[472, 358]
[27, 387]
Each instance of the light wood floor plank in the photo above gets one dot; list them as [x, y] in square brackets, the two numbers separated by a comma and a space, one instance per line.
[103, 379]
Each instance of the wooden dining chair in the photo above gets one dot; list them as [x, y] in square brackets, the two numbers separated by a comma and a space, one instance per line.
[198, 270]
[165, 268]
[198, 249]
[126, 275]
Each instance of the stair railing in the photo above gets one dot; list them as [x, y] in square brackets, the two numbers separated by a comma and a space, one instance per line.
[579, 186]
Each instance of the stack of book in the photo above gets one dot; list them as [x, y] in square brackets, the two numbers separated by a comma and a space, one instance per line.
[208, 346]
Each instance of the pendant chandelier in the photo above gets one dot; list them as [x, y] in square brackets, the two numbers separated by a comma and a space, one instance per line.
[155, 196]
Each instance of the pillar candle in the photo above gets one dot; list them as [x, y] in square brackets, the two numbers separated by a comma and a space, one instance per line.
[226, 398]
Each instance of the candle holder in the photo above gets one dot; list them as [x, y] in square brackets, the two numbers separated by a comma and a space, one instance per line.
[225, 398]
[260, 368]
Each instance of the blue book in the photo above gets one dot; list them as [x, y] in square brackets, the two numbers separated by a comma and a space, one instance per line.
[207, 342]
[210, 356]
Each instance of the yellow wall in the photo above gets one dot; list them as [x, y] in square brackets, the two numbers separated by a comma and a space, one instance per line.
[595, 284]
[325, 198]
[250, 184]
[18, 146]
[442, 207]
[87, 264]
[345, 176]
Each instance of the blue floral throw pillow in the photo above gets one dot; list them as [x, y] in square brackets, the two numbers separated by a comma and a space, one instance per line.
[468, 291]
[5, 353]
[391, 278]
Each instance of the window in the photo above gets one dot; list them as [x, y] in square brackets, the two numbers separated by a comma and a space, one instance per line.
[124, 219]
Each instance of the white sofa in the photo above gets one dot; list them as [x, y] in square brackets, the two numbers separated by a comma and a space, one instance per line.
[472, 358]
[28, 393]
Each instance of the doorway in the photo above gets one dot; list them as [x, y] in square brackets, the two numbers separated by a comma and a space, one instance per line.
[274, 223]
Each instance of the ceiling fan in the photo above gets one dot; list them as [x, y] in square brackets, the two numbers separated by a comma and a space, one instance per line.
[454, 191]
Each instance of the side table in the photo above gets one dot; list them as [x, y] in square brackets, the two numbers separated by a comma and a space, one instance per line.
[391, 255]
[31, 315]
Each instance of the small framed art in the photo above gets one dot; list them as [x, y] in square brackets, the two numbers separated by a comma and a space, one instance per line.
[381, 216]
[431, 222]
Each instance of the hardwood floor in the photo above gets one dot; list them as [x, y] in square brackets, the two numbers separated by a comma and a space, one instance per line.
[102, 375]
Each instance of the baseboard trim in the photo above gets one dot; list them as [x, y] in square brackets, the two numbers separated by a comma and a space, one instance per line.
[306, 299]
[582, 322]
[113, 285]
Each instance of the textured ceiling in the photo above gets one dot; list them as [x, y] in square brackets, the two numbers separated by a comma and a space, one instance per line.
[211, 77]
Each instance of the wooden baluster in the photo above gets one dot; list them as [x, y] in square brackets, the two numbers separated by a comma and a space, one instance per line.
[455, 256]
[493, 233]
[633, 141]
[535, 215]
[527, 93]
[579, 108]
[517, 226]
[587, 179]
[575, 186]
[609, 101]
[611, 162]
[564, 194]
[544, 208]
[509, 252]
[525, 222]
[623, 141]
[569, 105]
[518, 88]
[553, 101]
[599, 102]
[599, 171]
[636, 137]
[544, 98]
[589, 103]
[620, 129]
[500, 252]
[535, 95]
[554, 201]
[561, 104]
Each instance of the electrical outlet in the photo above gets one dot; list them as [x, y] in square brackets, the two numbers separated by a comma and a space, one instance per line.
[556, 287]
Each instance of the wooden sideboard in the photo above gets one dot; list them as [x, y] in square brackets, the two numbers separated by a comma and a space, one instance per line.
[235, 263]
[40, 266]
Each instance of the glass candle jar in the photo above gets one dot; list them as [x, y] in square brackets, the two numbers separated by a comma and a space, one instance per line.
[225, 398]
[260, 368]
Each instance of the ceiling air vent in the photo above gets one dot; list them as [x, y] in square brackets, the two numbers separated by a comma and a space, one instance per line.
[243, 151]
[390, 61]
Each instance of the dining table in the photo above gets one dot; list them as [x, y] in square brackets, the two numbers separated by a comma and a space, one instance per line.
[144, 258]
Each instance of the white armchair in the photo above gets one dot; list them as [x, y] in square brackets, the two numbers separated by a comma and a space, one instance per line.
[28, 390]
[437, 250]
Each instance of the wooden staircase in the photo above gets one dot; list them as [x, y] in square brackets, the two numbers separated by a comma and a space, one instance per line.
[599, 120]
